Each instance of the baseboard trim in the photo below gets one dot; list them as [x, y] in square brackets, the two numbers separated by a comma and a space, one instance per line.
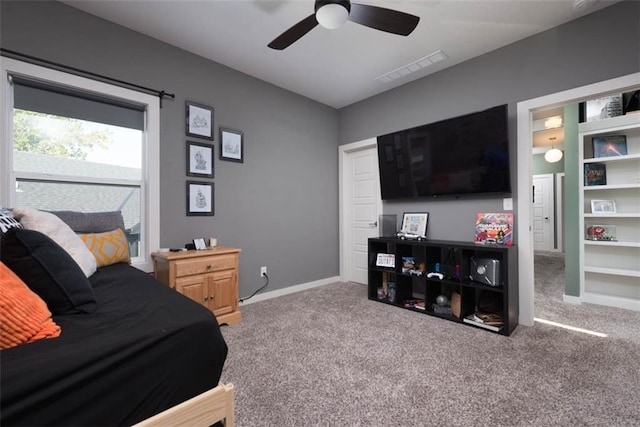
[291, 289]
[571, 299]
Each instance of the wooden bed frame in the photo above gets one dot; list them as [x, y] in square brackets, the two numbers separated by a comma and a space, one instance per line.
[204, 409]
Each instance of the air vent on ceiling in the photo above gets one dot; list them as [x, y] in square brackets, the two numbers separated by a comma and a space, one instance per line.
[417, 65]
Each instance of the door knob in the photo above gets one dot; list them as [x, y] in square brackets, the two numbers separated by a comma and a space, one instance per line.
[373, 224]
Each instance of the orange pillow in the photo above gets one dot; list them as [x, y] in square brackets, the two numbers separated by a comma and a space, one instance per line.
[24, 317]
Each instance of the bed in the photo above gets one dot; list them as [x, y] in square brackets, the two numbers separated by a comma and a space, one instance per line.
[145, 355]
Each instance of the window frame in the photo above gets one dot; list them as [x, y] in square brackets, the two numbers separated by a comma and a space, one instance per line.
[150, 183]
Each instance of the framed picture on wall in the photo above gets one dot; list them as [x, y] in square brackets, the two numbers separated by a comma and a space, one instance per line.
[231, 145]
[200, 198]
[199, 160]
[199, 120]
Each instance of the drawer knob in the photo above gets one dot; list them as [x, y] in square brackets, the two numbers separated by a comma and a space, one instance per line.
[206, 298]
[208, 266]
[210, 296]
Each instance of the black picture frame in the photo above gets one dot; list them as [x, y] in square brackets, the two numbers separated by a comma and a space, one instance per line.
[200, 198]
[231, 145]
[199, 120]
[200, 159]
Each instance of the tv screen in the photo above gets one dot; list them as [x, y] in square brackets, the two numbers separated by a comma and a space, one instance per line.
[463, 155]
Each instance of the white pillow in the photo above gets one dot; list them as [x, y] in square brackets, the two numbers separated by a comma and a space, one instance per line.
[52, 226]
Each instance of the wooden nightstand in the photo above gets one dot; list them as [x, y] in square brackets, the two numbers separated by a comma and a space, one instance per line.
[209, 277]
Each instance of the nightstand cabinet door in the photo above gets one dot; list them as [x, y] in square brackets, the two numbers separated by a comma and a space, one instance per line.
[222, 297]
[194, 287]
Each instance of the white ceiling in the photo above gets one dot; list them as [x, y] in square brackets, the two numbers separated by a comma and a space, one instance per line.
[335, 67]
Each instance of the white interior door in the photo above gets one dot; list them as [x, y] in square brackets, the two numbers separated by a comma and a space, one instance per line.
[543, 215]
[363, 205]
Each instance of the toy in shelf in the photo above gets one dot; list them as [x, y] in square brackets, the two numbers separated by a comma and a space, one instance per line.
[408, 263]
[601, 232]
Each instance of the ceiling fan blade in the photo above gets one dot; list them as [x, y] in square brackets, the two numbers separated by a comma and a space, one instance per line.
[292, 35]
[391, 21]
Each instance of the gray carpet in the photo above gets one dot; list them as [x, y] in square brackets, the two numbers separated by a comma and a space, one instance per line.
[329, 356]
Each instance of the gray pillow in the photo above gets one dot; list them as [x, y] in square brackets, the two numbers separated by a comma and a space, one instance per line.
[91, 222]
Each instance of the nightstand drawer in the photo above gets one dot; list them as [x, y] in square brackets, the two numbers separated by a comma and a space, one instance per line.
[188, 267]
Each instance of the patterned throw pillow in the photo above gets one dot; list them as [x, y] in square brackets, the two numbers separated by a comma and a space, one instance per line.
[108, 248]
[7, 221]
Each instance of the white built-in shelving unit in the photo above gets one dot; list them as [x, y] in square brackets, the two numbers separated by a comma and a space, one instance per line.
[610, 270]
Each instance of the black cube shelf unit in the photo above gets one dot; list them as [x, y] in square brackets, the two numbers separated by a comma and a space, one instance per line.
[456, 260]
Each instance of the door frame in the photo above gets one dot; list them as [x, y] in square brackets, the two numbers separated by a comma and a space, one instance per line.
[344, 192]
[560, 212]
[524, 211]
[552, 208]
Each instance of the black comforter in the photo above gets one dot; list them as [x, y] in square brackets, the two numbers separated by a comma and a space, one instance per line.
[146, 348]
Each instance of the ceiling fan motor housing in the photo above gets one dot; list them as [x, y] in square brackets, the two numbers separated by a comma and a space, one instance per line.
[344, 3]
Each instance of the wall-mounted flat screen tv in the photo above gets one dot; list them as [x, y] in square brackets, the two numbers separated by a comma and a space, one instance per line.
[463, 155]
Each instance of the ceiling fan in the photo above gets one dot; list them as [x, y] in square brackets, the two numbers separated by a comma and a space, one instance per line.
[332, 14]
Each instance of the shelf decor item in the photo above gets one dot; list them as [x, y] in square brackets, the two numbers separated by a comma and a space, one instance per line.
[601, 232]
[199, 244]
[603, 206]
[415, 223]
[231, 145]
[602, 108]
[199, 120]
[200, 197]
[595, 174]
[386, 260]
[609, 146]
[199, 160]
[494, 228]
[408, 263]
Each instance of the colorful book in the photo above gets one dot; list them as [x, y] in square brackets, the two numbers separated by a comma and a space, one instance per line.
[595, 174]
[494, 228]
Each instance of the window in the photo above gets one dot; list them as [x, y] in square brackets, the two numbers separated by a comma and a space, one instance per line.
[77, 144]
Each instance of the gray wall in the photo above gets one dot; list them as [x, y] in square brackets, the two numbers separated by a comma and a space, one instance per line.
[597, 47]
[280, 206]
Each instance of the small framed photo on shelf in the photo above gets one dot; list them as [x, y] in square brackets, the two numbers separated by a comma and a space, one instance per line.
[609, 146]
[199, 244]
[231, 145]
[199, 160]
[595, 174]
[200, 198]
[415, 223]
[601, 232]
[603, 206]
[199, 120]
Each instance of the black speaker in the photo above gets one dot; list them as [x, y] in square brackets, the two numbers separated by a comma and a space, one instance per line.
[485, 270]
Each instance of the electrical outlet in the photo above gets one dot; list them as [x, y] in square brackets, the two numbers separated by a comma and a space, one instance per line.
[263, 271]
